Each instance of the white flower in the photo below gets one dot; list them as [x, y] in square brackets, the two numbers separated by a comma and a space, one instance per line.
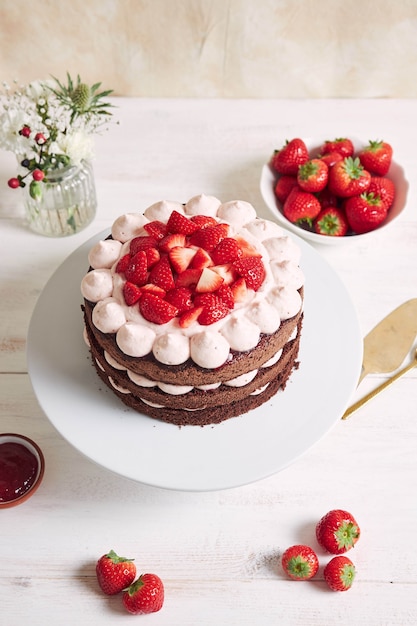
[77, 145]
[11, 121]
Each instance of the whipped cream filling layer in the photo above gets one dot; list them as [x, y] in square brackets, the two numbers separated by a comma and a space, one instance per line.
[208, 346]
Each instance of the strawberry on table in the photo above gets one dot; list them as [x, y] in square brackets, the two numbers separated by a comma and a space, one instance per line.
[114, 573]
[337, 531]
[376, 157]
[312, 176]
[293, 154]
[365, 212]
[300, 562]
[331, 221]
[339, 573]
[348, 178]
[301, 207]
[145, 595]
[342, 145]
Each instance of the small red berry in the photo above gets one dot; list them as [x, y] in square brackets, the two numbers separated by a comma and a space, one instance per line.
[14, 183]
[38, 175]
[25, 131]
[40, 139]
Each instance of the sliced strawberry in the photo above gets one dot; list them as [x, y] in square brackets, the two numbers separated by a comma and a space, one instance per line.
[161, 274]
[137, 270]
[151, 288]
[226, 271]
[123, 264]
[178, 223]
[210, 314]
[156, 310]
[226, 251]
[239, 290]
[188, 278]
[208, 281]
[131, 293]
[152, 256]
[209, 237]
[246, 248]
[206, 300]
[189, 317]
[225, 294]
[181, 258]
[201, 259]
[181, 297]
[143, 242]
[252, 270]
[156, 229]
[171, 241]
[203, 221]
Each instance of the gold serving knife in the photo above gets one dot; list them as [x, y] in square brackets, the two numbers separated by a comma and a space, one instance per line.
[386, 346]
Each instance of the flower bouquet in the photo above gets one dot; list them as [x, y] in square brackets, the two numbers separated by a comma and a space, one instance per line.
[49, 125]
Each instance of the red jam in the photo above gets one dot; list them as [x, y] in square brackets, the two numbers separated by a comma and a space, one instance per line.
[18, 470]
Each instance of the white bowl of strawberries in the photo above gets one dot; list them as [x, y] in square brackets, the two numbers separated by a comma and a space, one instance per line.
[332, 191]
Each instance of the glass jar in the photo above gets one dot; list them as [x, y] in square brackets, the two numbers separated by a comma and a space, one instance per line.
[67, 203]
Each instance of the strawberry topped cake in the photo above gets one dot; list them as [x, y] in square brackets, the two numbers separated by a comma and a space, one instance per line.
[193, 311]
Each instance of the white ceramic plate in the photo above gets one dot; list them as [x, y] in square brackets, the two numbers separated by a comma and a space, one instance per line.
[236, 452]
[267, 185]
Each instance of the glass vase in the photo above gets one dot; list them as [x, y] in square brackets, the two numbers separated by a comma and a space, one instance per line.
[67, 203]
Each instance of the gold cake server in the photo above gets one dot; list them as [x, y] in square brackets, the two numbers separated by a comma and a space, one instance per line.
[386, 346]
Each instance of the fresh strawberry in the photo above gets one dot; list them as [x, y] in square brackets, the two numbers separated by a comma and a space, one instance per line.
[330, 158]
[201, 259]
[327, 199]
[376, 157]
[252, 270]
[301, 207]
[123, 264]
[339, 573]
[246, 248]
[383, 187]
[152, 257]
[226, 271]
[213, 312]
[226, 251]
[178, 223]
[151, 288]
[337, 531]
[137, 270]
[342, 145]
[239, 290]
[331, 221]
[283, 187]
[180, 258]
[114, 573]
[156, 229]
[161, 274]
[189, 317]
[145, 595]
[312, 176]
[180, 297]
[203, 221]
[143, 242]
[156, 309]
[293, 154]
[209, 237]
[188, 278]
[170, 241]
[131, 293]
[209, 281]
[226, 295]
[365, 212]
[348, 178]
[300, 562]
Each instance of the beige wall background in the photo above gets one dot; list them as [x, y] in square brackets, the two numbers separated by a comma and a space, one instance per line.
[216, 48]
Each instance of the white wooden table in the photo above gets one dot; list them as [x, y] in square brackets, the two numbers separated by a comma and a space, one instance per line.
[217, 552]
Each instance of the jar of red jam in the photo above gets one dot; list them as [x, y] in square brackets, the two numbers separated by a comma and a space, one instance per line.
[21, 469]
